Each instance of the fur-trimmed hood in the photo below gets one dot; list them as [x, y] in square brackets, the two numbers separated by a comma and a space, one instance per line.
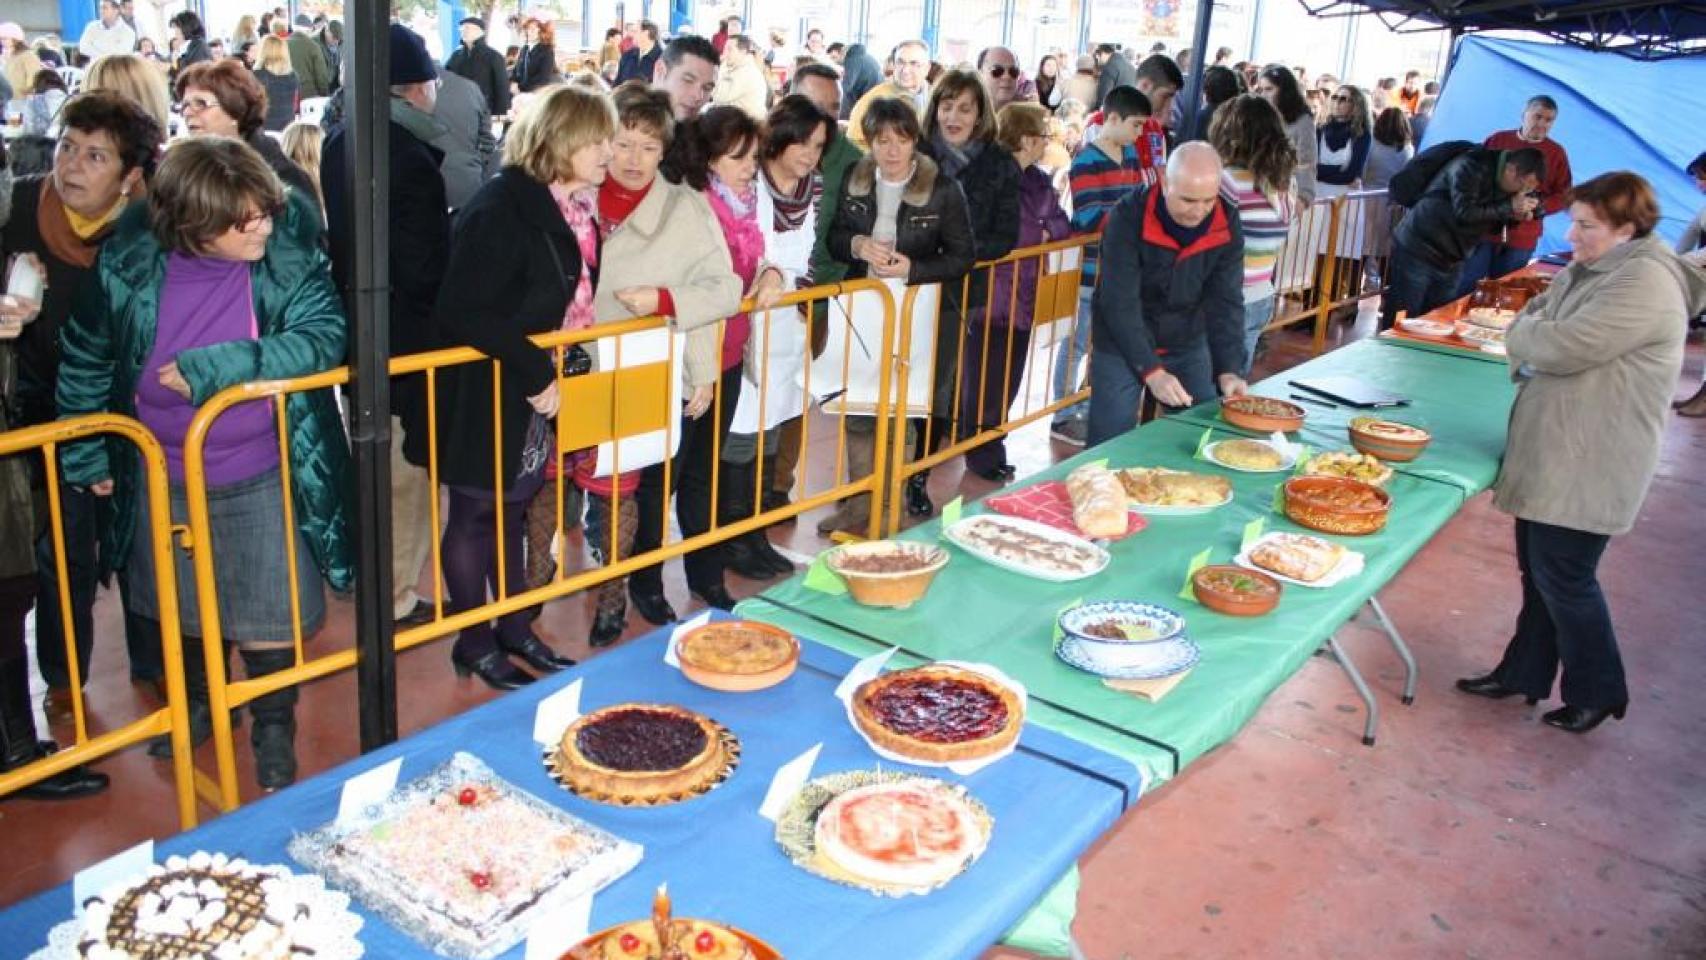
[862, 179]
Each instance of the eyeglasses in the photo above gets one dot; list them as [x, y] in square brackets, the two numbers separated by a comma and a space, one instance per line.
[998, 71]
[253, 221]
[1339, 97]
[198, 104]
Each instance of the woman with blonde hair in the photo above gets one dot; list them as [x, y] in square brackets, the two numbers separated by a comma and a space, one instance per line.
[302, 142]
[272, 69]
[133, 77]
[245, 32]
[524, 259]
[21, 67]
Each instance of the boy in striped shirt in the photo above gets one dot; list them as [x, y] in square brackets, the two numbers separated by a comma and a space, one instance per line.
[1102, 174]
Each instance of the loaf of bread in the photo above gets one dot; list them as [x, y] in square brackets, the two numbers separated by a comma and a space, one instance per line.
[1098, 501]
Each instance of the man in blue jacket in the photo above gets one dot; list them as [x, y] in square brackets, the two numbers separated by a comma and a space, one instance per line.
[1167, 318]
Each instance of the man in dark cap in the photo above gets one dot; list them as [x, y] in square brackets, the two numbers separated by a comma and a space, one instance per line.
[478, 62]
[419, 245]
[313, 75]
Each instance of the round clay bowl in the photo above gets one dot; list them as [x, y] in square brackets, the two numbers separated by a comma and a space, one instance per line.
[1305, 510]
[1232, 603]
[745, 682]
[1235, 412]
[901, 588]
[1386, 446]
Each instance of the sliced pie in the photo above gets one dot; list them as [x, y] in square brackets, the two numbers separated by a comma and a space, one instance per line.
[938, 714]
[914, 834]
[641, 753]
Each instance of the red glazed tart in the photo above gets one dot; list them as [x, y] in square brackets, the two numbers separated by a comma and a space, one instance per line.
[938, 714]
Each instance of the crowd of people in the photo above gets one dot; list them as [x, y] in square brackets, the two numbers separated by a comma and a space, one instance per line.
[191, 233]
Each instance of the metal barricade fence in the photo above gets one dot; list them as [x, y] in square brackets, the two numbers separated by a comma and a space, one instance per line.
[1331, 248]
[1001, 355]
[153, 533]
[605, 410]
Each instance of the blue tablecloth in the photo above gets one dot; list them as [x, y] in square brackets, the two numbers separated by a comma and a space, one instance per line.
[1050, 800]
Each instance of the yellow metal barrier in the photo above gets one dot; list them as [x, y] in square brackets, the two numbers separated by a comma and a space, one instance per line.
[596, 408]
[153, 533]
[1054, 314]
[1328, 249]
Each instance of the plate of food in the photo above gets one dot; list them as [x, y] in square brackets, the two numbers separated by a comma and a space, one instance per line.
[887, 573]
[1301, 559]
[643, 755]
[1250, 456]
[1490, 318]
[1351, 466]
[1421, 326]
[883, 831]
[1027, 547]
[464, 861]
[663, 936]
[946, 713]
[1488, 339]
[1262, 414]
[1160, 492]
[1182, 654]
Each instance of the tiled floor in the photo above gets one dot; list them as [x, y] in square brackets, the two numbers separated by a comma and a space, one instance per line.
[1469, 831]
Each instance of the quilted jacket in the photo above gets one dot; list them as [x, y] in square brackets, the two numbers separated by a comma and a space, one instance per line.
[302, 331]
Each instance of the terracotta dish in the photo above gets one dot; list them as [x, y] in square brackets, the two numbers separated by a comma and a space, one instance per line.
[1336, 505]
[738, 655]
[887, 573]
[1235, 591]
[1388, 440]
[1262, 414]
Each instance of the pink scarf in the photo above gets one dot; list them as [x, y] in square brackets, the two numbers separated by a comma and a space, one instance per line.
[578, 210]
[746, 248]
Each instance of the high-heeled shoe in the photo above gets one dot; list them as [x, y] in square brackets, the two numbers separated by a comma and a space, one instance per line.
[607, 629]
[494, 669]
[1582, 719]
[535, 653]
[717, 596]
[918, 496]
[1488, 686]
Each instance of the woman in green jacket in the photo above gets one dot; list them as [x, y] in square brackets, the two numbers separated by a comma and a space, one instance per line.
[219, 282]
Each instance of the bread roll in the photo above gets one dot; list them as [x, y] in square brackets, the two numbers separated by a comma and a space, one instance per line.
[1098, 501]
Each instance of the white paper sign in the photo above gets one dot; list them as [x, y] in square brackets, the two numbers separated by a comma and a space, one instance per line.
[669, 655]
[640, 349]
[366, 789]
[1286, 448]
[116, 869]
[790, 777]
[559, 929]
[846, 375]
[864, 670]
[555, 713]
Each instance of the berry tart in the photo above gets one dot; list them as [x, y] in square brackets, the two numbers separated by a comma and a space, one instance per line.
[938, 714]
[644, 753]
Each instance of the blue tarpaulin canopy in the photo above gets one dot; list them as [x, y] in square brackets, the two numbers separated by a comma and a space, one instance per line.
[1614, 113]
[1645, 29]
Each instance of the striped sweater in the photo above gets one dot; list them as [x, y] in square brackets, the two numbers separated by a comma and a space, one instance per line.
[1265, 218]
[1097, 184]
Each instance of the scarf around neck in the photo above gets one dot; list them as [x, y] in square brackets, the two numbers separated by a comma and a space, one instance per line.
[794, 206]
[742, 203]
[954, 160]
[578, 210]
[72, 239]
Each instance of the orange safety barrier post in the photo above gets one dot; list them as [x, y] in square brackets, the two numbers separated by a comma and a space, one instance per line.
[155, 534]
[973, 420]
[603, 409]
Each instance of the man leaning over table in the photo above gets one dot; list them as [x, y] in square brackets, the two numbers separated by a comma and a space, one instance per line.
[1509, 247]
[1168, 316]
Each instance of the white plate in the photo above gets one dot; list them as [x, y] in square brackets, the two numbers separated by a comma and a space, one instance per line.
[1289, 461]
[1182, 655]
[1350, 564]
[955, 535]
[1156, 510]
[1428, 328]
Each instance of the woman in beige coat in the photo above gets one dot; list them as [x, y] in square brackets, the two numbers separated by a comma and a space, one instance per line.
[1595, 358]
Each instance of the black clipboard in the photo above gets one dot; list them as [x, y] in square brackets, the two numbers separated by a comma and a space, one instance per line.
[1351, 392]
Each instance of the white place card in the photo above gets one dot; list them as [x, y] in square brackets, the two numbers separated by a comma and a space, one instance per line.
[789, 778]
[862, 671]
[560, 929]
[366, 789]
[116, 869]
[669, 655]
[555, 713]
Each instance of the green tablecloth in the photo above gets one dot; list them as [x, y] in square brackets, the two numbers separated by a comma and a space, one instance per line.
[1447, 349]
[978, 612]
[1463, 402]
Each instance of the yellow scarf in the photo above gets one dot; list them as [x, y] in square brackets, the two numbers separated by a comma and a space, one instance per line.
[87, 227]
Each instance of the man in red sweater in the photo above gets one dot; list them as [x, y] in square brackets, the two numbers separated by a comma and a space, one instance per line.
[1510, 248]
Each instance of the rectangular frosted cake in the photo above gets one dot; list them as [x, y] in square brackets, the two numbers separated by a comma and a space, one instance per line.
[464, 861]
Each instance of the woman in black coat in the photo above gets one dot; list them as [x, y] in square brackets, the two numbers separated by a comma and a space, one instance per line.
[927, 238]
[536, 65]
[959, 131]
[523, 262]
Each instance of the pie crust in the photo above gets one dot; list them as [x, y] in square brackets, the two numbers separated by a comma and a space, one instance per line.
[692, 939]
[641, 753]
[738, 655]
[938, 714]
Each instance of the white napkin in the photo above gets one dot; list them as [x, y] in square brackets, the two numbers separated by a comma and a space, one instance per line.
[559, 929]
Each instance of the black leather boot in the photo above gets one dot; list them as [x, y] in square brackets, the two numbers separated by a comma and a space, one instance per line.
[274, 733]
[19, 746]
[734, 503]
[918, 495]
[201, 713]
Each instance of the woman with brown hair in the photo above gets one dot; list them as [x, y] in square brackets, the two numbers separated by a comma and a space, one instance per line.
[221, 282]
[1250, 136]
[222, 98]
[1595, 358]
[536, 63]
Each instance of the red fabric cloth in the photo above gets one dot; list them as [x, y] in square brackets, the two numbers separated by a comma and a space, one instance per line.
[1047, 503]
[1554, 188]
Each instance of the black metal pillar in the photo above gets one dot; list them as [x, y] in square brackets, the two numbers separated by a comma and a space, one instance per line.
[367, 144]
[1193, 80]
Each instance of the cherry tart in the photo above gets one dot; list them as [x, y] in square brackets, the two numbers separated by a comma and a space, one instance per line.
[938, 714]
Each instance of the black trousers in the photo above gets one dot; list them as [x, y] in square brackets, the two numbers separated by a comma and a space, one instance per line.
[83, 524]
[1564, 620]
[695, 463]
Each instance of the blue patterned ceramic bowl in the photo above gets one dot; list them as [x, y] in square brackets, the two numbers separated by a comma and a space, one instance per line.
[1119, 634]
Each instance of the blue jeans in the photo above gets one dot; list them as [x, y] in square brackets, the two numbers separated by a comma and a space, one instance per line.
[1256, 315]
[1564, 620]
[1066, 360]
[1115, 391]
[1416, 286]
[1491, 260]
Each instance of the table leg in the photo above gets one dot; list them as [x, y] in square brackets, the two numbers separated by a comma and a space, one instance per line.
[1361, 688]
[1399, 645]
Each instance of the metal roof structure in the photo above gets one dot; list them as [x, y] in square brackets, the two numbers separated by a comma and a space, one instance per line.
[1642, 29]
